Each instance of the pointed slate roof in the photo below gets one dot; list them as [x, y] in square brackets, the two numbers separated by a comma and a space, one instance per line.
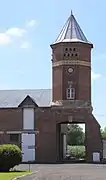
[71, 32]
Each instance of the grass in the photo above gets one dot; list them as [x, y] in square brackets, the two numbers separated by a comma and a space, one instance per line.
[11, 175]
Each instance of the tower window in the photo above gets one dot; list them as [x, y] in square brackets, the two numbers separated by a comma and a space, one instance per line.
[73, 49]
[70, 92]
[76, 54]
[66, 49]
[71, 54]
[68, 55]
[70, 49]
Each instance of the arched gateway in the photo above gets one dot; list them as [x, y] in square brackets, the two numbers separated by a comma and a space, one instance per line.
[71, 95]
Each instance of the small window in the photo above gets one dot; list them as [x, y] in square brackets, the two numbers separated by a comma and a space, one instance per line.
[14, 137]
[70, 93]
[64, 54]
[71, 54]
[76, 54]
[66, 49]
[68, 55]
[73, 49]
[70, 49]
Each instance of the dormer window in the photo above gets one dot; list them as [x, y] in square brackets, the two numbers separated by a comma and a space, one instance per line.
[70, 93]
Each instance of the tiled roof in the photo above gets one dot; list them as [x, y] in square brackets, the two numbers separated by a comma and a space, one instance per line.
[12, 98]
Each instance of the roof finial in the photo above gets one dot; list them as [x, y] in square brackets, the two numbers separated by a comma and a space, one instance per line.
[71, 12]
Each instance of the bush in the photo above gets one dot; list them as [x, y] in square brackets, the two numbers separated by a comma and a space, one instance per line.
[77, 151]
[10, 156]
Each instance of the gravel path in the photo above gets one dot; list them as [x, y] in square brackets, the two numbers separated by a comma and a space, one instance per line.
[67, 172]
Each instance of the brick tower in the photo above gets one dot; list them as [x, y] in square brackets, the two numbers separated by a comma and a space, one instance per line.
[71, 85]
[71, 64]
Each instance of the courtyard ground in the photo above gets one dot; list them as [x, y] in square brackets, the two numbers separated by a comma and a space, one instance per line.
[66, 172]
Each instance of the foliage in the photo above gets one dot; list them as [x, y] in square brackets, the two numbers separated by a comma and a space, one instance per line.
[75, 135]
[10, 156]
[77, 151]
[103, 132]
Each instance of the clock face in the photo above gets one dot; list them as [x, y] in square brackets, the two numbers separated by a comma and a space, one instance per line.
[70, 69]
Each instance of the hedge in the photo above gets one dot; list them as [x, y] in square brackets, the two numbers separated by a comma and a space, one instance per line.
[77, 151]
[10, 156]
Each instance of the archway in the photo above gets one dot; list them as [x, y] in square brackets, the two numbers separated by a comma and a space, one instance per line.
[93, 139]
[71, 142]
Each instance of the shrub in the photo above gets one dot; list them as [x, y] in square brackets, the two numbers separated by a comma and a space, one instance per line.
[10, 156]
[77, 151]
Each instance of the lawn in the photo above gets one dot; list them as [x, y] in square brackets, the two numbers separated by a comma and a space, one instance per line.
[11, 175]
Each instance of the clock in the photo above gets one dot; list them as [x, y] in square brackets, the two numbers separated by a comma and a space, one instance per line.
[70, 70]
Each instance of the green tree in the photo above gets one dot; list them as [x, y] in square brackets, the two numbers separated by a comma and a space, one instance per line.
[103, 132]
[75, 135]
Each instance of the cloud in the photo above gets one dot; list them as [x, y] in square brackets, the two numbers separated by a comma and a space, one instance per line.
[12, 34]
[95, 75]
[19, 32]
[25, 45]
[4, 39]
[31, 23]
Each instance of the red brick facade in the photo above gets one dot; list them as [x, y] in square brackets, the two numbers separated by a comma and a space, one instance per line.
[46, 122]
[76, 55]
[81, 75]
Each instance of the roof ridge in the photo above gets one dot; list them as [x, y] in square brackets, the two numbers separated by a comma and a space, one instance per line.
[24, 89]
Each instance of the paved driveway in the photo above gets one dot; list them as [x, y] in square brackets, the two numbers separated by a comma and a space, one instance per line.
[66, 172]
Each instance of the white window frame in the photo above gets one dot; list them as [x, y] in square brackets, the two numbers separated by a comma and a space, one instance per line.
[70, 93]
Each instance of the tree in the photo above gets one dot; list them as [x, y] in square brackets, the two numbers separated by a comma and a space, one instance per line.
[75, 135]
[103, 132]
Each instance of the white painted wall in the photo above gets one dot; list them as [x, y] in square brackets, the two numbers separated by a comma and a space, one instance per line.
[28, 118]
[104, 149]
[64, 145]
[28, 147]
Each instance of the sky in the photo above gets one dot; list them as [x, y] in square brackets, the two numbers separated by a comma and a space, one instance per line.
[27, 28]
